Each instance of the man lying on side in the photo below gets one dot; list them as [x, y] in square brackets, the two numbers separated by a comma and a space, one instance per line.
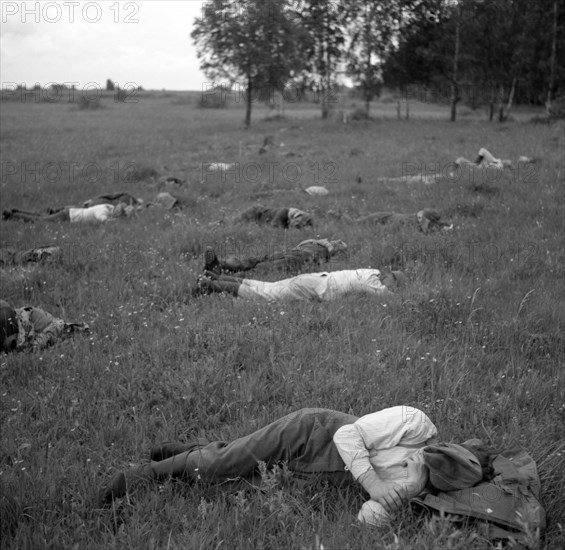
[393, 454]
[484, 160]
[10, 256]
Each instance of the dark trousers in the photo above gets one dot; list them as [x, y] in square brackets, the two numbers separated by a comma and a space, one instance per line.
[59, 216]
[291, 260]
[302, 439]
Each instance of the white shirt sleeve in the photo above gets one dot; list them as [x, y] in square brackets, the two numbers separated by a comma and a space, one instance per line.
[384, 429]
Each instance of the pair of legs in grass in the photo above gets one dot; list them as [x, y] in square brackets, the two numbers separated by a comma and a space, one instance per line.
[62, 215]
[302, 439]
[310, 251]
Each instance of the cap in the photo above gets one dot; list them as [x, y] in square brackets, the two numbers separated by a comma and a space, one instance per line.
[452, 467]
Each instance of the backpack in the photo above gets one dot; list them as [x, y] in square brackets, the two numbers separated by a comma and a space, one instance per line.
[507, 507]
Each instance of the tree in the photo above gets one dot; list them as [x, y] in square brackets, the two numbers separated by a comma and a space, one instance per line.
[422, 51]
[252, 40]
[372, 27]
[109, 86]
[455, 97]
[552, 62]
[493, 51]
[322, 46]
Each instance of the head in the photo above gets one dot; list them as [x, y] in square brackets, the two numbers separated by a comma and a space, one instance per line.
[453, 467]
[337, 247]
[298, 219]
[429, 219]
[483, 454]
[394, 280]
[8, 327]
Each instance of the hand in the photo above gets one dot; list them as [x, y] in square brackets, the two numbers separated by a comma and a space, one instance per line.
[388, 493]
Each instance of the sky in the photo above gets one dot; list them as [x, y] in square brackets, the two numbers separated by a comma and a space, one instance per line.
[144, 42]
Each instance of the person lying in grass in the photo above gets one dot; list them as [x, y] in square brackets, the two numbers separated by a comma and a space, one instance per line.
[31, 328]
[393, 454]
[426, 220]
[484, 160]
[10, 256]
[98, 214]
[324, 286]
[287, 218]
[309, 252]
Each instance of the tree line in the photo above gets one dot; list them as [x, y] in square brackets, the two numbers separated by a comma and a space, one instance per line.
[493, 52]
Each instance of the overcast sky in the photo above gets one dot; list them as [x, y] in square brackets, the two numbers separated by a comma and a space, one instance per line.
[146, 42]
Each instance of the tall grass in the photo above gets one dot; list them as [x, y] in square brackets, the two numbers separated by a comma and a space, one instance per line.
[475, 340]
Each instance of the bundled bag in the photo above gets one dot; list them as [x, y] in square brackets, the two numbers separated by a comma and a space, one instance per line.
[508, 506]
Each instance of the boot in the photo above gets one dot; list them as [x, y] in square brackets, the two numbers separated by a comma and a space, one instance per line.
[211, 262]
[126, 482]
[168, 449]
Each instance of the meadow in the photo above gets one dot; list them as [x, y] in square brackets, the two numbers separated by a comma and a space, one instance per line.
[475, 339]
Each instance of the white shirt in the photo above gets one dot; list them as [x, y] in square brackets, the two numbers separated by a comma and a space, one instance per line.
[316, 286]
[98, 213]
[391, 442]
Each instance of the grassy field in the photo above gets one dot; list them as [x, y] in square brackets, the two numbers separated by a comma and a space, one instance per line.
[475, 340]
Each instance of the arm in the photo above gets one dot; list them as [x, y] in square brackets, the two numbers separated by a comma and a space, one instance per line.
[378, 431]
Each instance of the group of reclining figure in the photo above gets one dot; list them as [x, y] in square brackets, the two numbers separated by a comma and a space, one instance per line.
[394, 453]
[222, 275]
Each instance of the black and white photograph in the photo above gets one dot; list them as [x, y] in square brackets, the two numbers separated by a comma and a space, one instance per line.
[282, 274]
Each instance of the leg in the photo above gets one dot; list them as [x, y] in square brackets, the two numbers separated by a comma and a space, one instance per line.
[15, 214]
[291, 260]
[303, 439]
[206, 285]
[234, 264]
[61, 216]
[216, 265]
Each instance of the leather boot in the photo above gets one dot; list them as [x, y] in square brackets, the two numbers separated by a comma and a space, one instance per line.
[126, 482]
